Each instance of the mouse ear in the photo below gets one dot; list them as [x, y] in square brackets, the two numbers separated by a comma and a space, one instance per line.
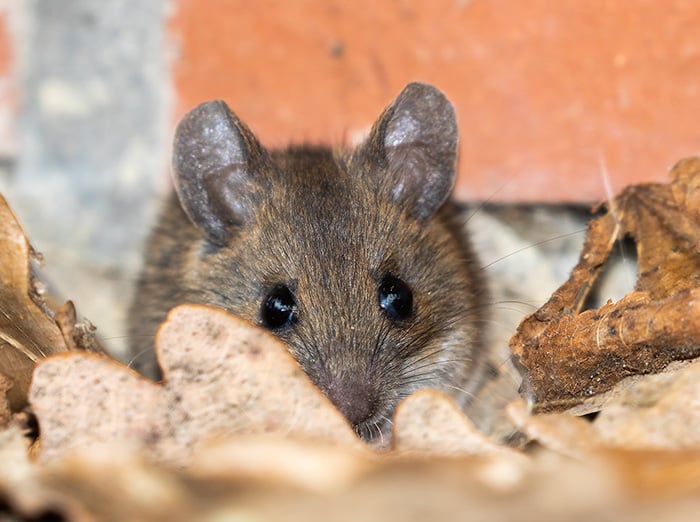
[216, 165]
[414, 144]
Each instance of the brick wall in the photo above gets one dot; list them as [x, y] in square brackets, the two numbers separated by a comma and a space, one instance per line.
[548, 93]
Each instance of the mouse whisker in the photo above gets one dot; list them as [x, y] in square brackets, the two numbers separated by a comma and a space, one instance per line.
[532, 245]
[418, 362]
[142, 353]
[379, 432]
[464, 392]
[379, 344]
[496, 304]
[314, 351]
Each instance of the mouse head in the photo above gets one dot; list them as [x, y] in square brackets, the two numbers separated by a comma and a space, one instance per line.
[351, 258]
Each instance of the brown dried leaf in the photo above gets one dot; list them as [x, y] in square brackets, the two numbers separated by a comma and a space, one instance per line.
[666, 231]
[206, 353]
[27, 333]
[278, 460]
[602, 400]
[265, 478]
[114, 485]
[656, 474]
[685, 185]
[5, 414]
[16, 477]
[582, 355]
[570, 356]
[430, 423]
[76, 335]
[561, 432]
[640, 467]
[84, 399]
[660, 412]
[95, 487]
[222, 376]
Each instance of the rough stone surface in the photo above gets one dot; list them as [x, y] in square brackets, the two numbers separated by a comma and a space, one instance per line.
[92, 142]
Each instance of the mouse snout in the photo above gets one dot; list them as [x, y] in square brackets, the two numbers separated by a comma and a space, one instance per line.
[355, 398]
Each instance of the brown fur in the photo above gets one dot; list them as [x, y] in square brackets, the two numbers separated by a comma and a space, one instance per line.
[324, 227]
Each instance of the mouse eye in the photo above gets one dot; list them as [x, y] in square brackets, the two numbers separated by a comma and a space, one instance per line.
[279, 308]
[395, 298]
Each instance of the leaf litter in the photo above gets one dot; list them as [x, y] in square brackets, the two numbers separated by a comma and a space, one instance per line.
[570, 355]
[236, 429]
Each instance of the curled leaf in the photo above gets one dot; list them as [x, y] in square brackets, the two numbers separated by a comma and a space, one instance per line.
[27, 331]
[570, 356]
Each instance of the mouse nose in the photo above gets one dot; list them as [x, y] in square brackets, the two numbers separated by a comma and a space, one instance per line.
[353, 397]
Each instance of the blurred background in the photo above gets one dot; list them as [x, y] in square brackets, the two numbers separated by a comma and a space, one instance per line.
[559, 104]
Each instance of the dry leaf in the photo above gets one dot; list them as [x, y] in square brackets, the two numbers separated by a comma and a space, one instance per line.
[569, 355]
[662, 412]
[222, 376]
[19, 487]
[561, 432]
[27, 332]
[224, 370]
[670, 475]
[310, 465]
[649, 465]
[428, 422]
[5, 414]
[83, 400]
[29, 329]
[113, 485]
[259, 478]
[76, 335]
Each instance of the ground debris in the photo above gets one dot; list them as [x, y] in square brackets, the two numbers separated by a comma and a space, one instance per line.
[27, 331]
[570, 355]
[222, 377]
[284, 479]
[428, 422]
[658, 412]
[236, 430]
[5, 413]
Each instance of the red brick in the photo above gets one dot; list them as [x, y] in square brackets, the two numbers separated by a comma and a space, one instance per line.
[548, 93]
[8, 90]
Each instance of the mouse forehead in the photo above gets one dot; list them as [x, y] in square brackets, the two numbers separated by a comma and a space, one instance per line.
[325, 217]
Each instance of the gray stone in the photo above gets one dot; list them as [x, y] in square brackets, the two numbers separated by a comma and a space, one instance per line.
[93, 117]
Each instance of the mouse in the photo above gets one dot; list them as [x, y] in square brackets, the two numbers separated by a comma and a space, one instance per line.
[355, 258]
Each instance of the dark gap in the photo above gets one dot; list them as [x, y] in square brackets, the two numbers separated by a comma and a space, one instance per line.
[623, 252]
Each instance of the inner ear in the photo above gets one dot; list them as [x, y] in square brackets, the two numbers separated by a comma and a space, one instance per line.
[413, 148]
[217, 168]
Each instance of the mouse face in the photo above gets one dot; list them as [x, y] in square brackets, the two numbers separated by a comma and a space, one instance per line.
[352, 259]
